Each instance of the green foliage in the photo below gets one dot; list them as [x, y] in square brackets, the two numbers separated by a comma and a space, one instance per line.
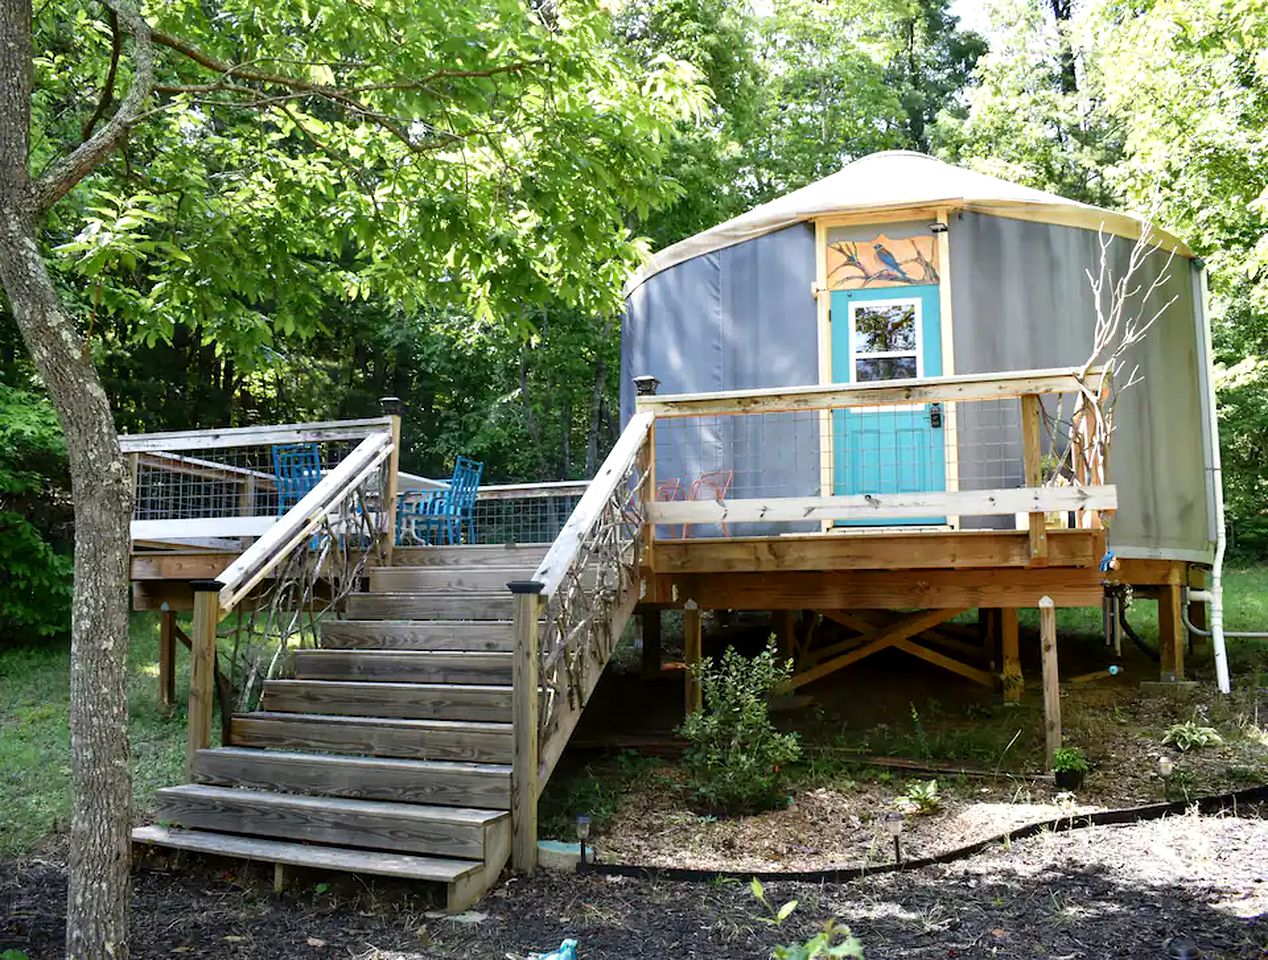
[736, 760]
[922, 797]
[1190, 735]
[832, 940]
[1069, 758]
[34, 576]
[35, 738]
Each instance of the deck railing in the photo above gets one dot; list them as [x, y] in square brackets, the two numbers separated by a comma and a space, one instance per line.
[569, 617]
[508, 513]
[306, 559]
[993, 451]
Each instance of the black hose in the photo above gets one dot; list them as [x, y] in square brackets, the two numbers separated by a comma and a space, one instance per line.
[1154, 811]
[1149, 651]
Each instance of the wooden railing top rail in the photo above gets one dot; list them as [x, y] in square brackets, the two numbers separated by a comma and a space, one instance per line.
[198, 467]
[301, 520]
[563, 551]
[222, 437]
[972, 386]
[531, 491]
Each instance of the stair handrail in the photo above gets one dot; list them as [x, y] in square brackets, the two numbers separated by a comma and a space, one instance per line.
[303, 519]
[568, 617]
[312, 556]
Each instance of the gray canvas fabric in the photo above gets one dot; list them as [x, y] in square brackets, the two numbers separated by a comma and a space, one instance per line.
[1021, 299]
[743, 316]
[739, 317]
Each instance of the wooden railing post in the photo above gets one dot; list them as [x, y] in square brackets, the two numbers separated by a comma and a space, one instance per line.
[391, 407]
[202, 668]
[524, 707]
[1032, 461]
[167, 657]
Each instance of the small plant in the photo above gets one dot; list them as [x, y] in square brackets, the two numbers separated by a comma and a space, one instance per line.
[1190, 735]
[921, 797]
[1069, 758]
[736, 760]
[833, 940]
[1179, 786]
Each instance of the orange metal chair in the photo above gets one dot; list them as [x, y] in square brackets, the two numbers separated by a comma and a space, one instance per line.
[714, 485]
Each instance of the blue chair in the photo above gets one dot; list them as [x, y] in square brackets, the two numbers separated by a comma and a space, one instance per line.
[439, 518]
[296, 470]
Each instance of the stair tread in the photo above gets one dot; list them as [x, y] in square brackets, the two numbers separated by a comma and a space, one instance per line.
[417, 812]
[421, 767]
[486, 726]
[392, 686]
[406, 866]
[478, 656]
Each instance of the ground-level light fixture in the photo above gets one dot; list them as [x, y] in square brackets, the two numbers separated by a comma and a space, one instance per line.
[1165, 767]
[582, 826]
[894, 827]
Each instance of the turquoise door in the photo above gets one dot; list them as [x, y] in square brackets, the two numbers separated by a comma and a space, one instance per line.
[893, 333]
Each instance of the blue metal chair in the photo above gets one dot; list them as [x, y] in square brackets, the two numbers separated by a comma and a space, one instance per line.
[296, 470]
[439, 518]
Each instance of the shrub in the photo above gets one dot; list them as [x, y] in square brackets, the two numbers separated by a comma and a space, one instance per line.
[1190, 735]
[1069, 758]
[735, 758]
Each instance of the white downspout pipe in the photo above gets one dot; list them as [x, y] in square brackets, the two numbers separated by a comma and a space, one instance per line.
[1217, 484]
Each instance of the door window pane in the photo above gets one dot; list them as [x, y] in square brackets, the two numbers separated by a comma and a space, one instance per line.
[885, 329]
[885, 368]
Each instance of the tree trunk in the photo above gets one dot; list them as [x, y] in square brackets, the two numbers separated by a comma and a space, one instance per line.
[101, 787]
[101, 781]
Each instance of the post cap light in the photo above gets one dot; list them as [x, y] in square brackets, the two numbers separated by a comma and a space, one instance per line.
[646, 385]
[937, 227]
[391, 406]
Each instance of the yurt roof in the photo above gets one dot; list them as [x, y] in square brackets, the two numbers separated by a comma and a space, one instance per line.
[893, 181]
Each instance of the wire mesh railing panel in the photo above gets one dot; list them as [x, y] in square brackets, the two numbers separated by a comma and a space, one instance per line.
[252, 480]
[528, 513]
[535, 519]
[895, 449]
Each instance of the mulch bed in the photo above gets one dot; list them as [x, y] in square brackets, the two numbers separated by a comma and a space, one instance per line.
[1101, 892]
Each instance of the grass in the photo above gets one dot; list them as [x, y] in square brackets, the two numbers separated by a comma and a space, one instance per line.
[35, 739]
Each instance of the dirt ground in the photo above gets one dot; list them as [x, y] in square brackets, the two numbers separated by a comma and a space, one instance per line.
[1096, 893]
[889, 706]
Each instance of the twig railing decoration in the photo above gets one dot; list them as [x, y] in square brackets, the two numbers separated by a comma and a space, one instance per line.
[302, 564]
[569, 617]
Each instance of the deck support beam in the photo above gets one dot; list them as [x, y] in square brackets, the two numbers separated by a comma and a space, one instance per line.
[167, 659]
[785, 623]
[1172, 633]
[692, 642]
[1013, 682]
[1051, 683]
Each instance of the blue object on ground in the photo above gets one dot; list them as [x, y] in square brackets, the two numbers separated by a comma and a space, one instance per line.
[567, 951]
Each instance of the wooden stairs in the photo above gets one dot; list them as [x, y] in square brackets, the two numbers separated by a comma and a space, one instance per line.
[390, 751]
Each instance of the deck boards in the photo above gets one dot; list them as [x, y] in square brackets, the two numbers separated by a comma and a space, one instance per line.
[403, 866]
[447, 831]
[360, 778]
[411, 739]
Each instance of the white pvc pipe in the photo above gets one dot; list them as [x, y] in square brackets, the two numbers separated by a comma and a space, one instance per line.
[1217, 481]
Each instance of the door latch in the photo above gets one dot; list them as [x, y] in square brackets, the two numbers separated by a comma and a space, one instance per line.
[935, 415]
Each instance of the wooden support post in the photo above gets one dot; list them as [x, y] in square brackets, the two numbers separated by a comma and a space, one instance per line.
[1013, 683]
[279, 877]
[1171, 632]
[650, 619]
[1051, 687]
[524, 707]
[1199, 645]
[785, 622]
[391, 407]
[202, 668]
[167, 658]
[1032, 460]
[691, 650]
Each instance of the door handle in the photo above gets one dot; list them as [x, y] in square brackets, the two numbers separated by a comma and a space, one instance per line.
[935, 415]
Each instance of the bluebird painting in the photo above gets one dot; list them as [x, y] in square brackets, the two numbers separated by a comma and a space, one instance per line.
[891, 262]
